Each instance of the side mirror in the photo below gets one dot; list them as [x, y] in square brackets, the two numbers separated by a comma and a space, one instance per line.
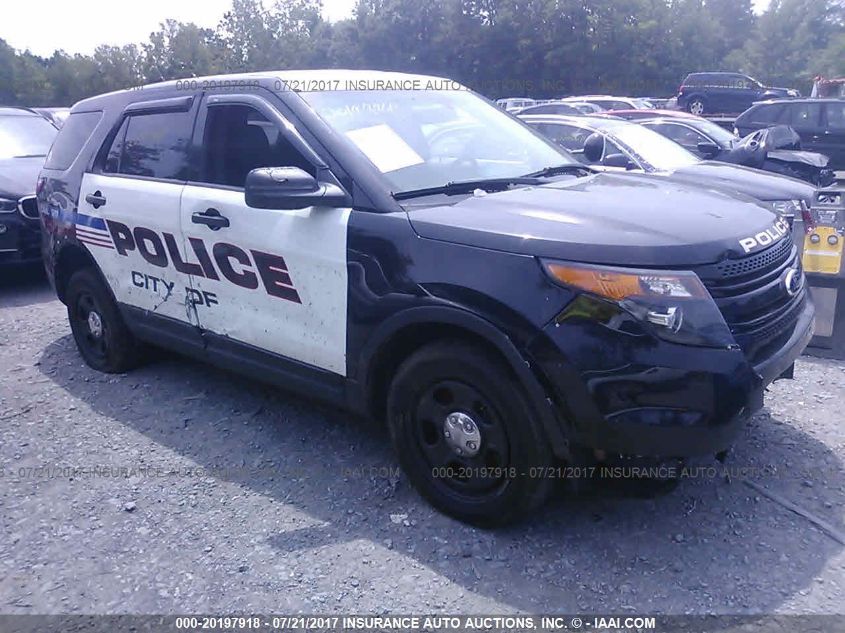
[708, 150]
[290, 188]
[617, 160]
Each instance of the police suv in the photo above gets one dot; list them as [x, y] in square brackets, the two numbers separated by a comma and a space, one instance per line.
[400, 246]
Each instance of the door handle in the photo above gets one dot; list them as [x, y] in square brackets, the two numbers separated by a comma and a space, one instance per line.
[211, 218]
[96, 199]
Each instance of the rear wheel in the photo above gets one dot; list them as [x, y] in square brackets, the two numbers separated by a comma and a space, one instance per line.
[100, 333]
[465, 435]
[696, 106]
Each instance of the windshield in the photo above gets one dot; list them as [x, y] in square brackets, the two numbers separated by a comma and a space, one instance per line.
[428, 138]
[653, 148]
[22, 136]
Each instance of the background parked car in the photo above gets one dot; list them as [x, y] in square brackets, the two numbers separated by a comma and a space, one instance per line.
[607, 102]
[56, 116]
[25, 139]
[724, 93]
[764, 149]
[819, 122]
[616, 144]
[553, 107]
[634, 115]
[512, 104]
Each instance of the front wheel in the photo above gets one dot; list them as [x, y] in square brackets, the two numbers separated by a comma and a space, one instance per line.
[102, 337]
[465, 435]
[696, 106]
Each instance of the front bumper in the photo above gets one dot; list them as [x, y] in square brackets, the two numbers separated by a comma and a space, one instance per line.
[20, 239]
[636, 395]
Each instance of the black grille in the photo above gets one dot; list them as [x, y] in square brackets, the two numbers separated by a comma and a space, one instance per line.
[747, 265]
[751, 294]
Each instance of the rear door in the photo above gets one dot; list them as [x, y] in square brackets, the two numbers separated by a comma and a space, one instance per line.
[271, 280]
[128, 215]
[720, 93]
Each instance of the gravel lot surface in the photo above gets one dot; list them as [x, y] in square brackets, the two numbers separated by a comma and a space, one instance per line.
[274, 504]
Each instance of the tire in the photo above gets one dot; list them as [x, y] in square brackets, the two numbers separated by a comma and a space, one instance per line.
[696, 106]
[430, 393]
[103, 339]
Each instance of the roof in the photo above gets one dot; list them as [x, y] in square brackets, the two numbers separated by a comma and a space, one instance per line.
[716, 72]
[298, 80]
[16, 111]
[653, 113]
[802, 100]
[588, 121]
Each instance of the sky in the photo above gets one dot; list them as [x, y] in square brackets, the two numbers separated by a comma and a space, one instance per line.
[79, 26]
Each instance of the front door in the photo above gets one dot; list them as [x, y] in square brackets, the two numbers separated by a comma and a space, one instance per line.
[805, 118]
[274, 280]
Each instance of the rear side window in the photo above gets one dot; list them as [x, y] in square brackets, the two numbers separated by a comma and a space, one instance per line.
[71, 139]
[152, 145]
[803, 115]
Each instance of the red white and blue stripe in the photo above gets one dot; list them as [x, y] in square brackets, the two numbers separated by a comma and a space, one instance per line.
[93, 231]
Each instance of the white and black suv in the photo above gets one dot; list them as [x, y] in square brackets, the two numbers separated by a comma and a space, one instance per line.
[400, 246]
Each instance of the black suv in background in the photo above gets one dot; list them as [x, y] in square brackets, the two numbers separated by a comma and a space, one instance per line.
[724, 93]
[819, 122]
[25, 138]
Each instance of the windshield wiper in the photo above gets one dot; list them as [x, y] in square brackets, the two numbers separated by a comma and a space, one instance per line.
[30, 156]
[456, 188]
[556, 170]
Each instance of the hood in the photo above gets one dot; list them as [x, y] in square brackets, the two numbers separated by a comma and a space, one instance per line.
[618, 219]
[755, 183]
[813, 159]
[18, 176]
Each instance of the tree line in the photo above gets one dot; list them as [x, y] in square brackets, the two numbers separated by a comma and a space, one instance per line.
[539, 48]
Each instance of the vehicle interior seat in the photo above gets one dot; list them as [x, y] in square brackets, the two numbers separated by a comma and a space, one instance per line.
[594, 148]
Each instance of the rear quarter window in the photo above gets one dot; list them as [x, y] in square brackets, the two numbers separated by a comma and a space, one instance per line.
[71, 139]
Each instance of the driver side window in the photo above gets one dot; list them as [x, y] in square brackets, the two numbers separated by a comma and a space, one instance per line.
[238, 139]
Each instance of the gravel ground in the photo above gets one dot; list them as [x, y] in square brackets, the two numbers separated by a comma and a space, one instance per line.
[275, 504]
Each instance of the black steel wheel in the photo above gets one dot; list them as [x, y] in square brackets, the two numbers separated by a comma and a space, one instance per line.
[98, 328]
[466, 436]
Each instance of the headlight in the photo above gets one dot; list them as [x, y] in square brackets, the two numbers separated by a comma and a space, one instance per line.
[674, 305]
[619, 284]
[785, 208]
[8, 206]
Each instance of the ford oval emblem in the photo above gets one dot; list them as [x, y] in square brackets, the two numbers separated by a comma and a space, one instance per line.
[792, 281]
